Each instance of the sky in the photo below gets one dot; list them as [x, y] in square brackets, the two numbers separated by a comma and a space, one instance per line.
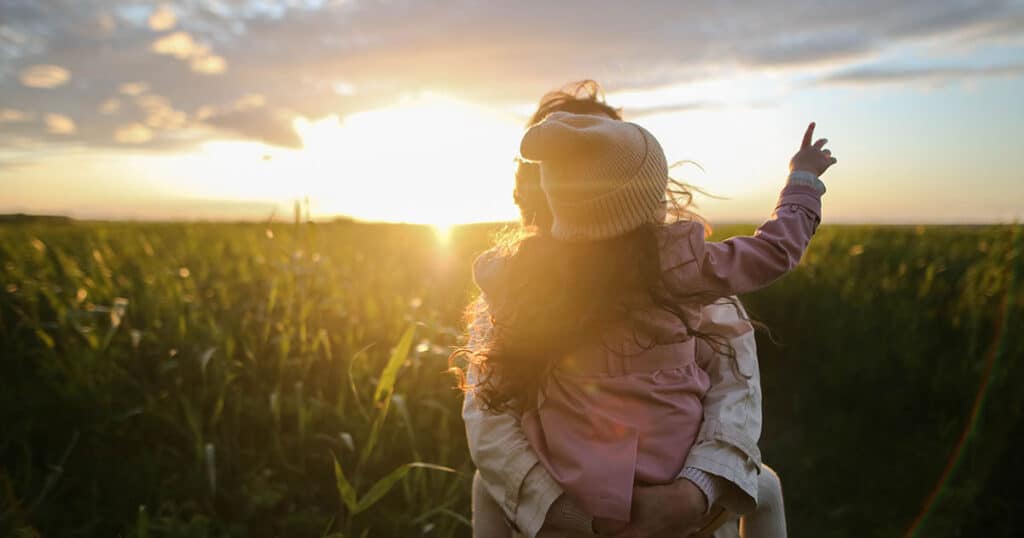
[411, 111]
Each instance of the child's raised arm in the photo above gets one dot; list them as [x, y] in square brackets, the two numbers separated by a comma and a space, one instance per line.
[743, 264]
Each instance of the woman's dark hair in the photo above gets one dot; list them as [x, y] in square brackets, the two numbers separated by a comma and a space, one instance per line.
[558, 296]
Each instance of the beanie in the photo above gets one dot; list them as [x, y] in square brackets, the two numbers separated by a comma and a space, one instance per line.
[602, 177]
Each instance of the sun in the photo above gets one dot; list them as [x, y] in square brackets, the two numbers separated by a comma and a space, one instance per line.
[443, 232]
[428, 159]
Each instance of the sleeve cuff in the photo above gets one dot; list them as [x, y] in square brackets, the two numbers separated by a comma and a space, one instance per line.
[805, 196]
[566, 515]
[708, 483]
[539, 493]
[802, 177]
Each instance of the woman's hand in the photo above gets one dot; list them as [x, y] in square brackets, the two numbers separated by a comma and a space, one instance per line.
[812, 158]
[679, 507]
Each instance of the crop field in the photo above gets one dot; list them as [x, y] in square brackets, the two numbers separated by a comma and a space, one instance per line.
[288, 379]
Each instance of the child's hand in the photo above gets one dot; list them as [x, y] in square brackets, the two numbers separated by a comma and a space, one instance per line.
[811, 158]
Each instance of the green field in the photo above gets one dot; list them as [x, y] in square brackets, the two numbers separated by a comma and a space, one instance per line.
[257, 380]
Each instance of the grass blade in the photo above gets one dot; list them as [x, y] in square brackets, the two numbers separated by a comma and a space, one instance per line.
[384, 485]
[385, 388]
[386, 385]
[345, 490]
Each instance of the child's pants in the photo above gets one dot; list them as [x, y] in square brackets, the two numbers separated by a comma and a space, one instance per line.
[767, 521]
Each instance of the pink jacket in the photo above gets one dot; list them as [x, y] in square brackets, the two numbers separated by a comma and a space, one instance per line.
[610, 420]
[725, 454]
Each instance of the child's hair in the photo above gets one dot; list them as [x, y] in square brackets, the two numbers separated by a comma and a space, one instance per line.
[561, 294]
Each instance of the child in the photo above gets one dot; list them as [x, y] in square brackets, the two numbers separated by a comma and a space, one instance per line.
[595, 326]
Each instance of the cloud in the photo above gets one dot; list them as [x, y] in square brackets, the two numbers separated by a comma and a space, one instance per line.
[159, 113]
[639, 112]
[204, 112]
[151, 101]
[182, 46]
[249, 101]
[179, 44]
[344, 88]
[59, 124]
[162, 19]
[99, 26]
[10, 115]
[110, 106]
[803, 49]
[133, 88]
[166, 118]
[271, 126]
[45, 76]
[317, 58]
[133, 133]
[876, 75]
[209, 64]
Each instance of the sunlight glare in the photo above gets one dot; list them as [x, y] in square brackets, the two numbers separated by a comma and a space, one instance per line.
[443, 233]
[428, 159]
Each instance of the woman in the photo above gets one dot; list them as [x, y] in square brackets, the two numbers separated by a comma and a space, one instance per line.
[722, 469]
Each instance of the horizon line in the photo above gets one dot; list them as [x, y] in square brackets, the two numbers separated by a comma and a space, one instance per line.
[21, 217]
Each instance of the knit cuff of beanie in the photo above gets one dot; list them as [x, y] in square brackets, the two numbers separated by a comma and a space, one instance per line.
[802, 177]
[564, 514]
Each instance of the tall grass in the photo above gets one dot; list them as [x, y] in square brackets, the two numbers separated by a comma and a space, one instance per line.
[287, 380]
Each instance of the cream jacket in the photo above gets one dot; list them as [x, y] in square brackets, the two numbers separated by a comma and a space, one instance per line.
[726, 445]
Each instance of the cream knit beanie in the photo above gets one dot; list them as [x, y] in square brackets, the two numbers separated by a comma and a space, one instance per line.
[602, 177]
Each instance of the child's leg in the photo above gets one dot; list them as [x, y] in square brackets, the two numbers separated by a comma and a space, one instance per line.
[769, 519]
[731, 528]
[488, 519]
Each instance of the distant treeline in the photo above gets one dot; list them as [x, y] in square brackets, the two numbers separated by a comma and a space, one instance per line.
[23, 218]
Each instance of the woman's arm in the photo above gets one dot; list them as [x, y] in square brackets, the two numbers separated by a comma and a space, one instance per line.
[509, 467]
[726, 447]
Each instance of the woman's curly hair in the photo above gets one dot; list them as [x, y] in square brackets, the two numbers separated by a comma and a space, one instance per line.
[560, 295]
